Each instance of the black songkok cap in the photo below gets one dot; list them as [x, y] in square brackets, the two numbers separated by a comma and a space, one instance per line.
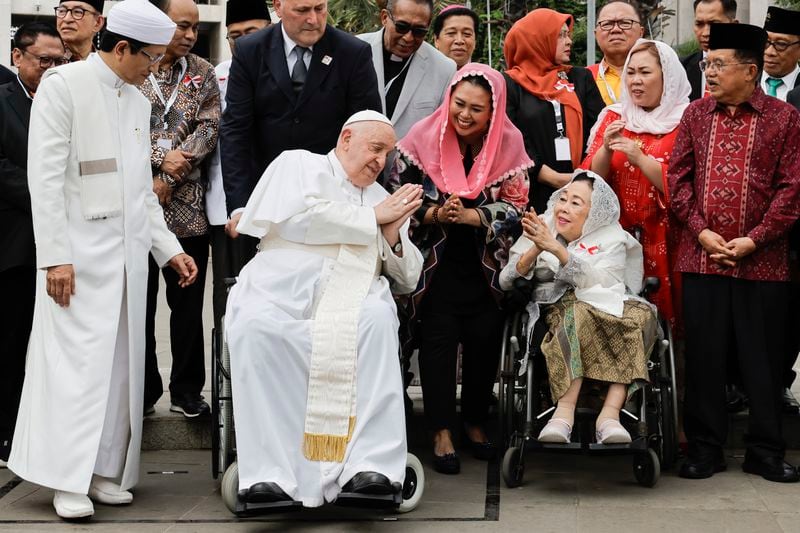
[241, 10]
[737, 37]
[96, 4]
[782, 21]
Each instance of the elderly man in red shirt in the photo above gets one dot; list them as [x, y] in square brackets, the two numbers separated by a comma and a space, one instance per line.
[734, 181]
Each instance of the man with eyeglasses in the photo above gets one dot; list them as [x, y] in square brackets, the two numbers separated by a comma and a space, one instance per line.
[184, 122]
[37, 47]
[619, 25]
[291, 86]
[95, 219]
[734, 183]
[242, 17]
[706, 12]
[412, 74]
[77, 23]
[781, 77]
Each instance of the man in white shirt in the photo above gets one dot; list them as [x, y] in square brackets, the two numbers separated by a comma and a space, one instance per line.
[312, 326]
[782, 54]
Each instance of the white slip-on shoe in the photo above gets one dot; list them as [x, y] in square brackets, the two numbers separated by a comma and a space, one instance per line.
[556, 431]
[610, 431]
[105, 491]
[71, 505]
[3, 464]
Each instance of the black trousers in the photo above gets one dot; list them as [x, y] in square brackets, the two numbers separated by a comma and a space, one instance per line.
[18, 287]
[185, 327]
[724, 316]
[792, 335]
[228, 256]
[480, 335]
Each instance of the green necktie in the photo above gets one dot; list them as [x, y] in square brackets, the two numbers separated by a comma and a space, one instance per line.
[772, 86]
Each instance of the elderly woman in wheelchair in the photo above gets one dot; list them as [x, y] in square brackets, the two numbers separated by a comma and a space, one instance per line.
[586, 270]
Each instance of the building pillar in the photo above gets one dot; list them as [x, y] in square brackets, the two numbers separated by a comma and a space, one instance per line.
[5, 29]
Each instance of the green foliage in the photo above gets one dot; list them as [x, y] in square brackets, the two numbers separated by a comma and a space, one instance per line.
[687, 48]
[789, 4]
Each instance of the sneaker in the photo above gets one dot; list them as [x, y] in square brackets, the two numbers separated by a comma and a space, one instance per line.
[191, 406]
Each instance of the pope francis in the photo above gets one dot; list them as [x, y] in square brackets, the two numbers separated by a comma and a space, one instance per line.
[312, 326]
[95, 220]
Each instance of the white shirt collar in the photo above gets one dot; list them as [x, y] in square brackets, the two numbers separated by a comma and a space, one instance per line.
[24, 89]
[788, 80]
[289, 44]
[104, 72]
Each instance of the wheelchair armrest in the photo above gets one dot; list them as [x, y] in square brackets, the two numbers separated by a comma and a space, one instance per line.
[520, 294]
[651, 284]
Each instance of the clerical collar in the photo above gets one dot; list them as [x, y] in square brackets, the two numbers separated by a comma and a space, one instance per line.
[338, 171]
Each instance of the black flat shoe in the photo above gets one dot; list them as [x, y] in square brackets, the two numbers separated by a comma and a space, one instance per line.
[483, 451]
[371, 483]
[771, 469]
[703, 463]
[264, 492]
[448, 463]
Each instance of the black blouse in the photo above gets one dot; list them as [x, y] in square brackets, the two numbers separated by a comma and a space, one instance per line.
[536, 119]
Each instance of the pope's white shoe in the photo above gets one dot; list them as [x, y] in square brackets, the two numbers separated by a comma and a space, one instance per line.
[105, 491]
[71, 505]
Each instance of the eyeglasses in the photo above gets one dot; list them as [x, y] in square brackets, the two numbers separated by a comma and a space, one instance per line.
[719, 66]
[624, 24]
[780, 46]
[404, 27]
[153, 59]
[77, 12]
[47, 61]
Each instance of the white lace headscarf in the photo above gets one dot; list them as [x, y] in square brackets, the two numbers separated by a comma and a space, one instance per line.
[603, 217]
[674, 96]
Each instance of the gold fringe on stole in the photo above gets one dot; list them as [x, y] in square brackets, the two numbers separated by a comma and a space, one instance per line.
[329, 448]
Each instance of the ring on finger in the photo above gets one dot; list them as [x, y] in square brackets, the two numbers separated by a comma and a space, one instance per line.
[405, 201]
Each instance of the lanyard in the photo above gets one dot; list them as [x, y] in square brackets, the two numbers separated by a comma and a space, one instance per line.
[168, 103]
[559, 120]
[601, 70]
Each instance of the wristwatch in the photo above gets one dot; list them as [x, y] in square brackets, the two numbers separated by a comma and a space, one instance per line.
[398, 247]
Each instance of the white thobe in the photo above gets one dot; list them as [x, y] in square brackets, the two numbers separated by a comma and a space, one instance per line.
[81, 407]
[307, 200]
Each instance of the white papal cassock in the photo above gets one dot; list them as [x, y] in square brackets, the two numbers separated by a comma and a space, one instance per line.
[81, 407]
[304, 208]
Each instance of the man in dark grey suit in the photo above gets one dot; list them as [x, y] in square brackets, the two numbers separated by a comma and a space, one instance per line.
[291, 86]
[37, 47]
[706, 12]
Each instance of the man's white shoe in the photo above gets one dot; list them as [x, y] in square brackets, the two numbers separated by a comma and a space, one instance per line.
[105, 491]
[72, 505]
[3, 464]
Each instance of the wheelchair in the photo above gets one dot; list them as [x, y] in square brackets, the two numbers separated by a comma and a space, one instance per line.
[525, 405]
[223, 450]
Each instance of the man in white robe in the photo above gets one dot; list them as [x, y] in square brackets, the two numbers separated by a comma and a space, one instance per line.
[312, 326]
[95, 220]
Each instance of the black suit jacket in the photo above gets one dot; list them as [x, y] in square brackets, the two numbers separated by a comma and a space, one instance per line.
[263, 116]
[16, 238]
[794, 236]
[6, 76]
[691, 64]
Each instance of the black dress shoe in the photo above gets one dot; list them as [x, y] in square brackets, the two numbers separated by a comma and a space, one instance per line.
[483, 451]
[264, 492]
[448, 463]
[370, 483]
[771, 469]
[703, 465]
[735, 399]
[789, 405]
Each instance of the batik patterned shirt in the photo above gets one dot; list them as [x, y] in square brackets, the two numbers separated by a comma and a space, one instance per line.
[192, 124]
[739, 176]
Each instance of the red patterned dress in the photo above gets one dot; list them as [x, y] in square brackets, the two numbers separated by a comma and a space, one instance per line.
[643, 206]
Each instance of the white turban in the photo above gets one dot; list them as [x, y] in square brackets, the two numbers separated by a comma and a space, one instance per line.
[367, 116]
[142, 21]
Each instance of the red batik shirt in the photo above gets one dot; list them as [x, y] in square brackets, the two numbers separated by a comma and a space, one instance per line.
[739, 176]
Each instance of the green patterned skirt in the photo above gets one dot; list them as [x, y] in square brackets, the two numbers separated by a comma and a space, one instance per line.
[584, 342]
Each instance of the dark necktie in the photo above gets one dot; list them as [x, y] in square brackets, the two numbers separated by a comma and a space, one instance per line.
[299, 71]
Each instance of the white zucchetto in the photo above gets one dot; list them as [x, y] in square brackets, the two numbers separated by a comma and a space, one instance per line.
[141, 20]
[367, 116]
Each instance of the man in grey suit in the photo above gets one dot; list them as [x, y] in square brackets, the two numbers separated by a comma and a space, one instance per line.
[412, 75]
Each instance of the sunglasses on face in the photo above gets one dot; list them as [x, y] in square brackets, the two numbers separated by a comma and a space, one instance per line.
[402, 27]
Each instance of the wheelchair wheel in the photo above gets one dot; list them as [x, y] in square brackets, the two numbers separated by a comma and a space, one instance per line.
[222, 434]
[669, 440]
[646, 468]
[513, 467]
[230, 487]
[512, 386]
[413, 486]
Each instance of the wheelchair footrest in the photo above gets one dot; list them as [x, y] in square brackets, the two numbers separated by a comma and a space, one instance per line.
[372, 501]
[249, 509]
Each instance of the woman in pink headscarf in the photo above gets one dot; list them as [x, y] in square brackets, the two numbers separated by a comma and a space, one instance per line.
[472, 163]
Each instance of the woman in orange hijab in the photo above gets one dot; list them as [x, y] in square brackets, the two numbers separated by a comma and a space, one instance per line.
[553, 104]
